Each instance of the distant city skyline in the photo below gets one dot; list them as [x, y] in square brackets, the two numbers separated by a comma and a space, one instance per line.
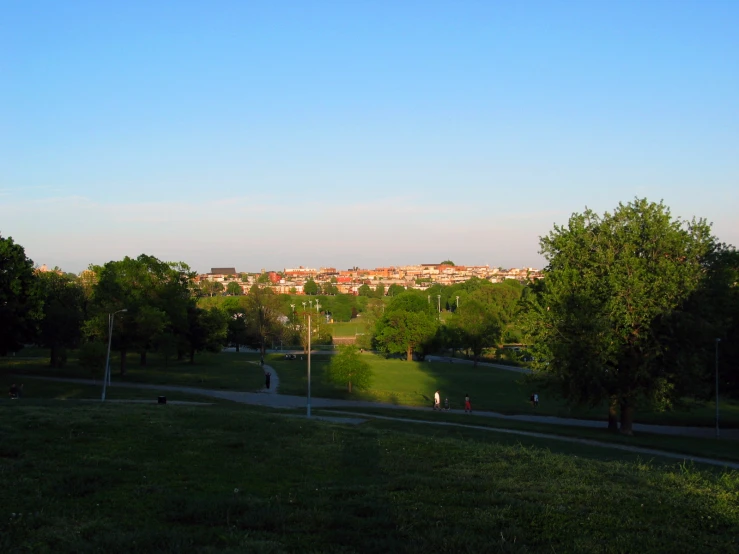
[368, 134]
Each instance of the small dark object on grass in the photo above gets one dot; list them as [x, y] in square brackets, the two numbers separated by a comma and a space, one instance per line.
[162, 400]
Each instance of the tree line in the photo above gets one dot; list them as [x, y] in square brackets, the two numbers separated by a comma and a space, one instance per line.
[636, 309]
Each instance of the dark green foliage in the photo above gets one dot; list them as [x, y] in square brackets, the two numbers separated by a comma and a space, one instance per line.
[407, 325]
[616, 288]
[19, 302]
[158, 301]
[64, 311]
[310, 287]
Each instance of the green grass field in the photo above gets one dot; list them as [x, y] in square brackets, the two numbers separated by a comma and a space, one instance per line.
[413, 384]
[347, 329]
[726, 450]
[225, 370]
[395, 381]
[227, 478]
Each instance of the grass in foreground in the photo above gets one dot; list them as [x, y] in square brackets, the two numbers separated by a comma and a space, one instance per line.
[126, 478]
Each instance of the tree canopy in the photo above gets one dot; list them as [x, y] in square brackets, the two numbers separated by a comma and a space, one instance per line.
[348, 368]
[613, 288]
[407, 324]
[19, 303]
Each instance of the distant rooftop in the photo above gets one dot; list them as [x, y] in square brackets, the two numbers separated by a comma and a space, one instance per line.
[223, 271]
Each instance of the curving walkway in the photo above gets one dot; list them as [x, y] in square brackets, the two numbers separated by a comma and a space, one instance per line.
[274, 400]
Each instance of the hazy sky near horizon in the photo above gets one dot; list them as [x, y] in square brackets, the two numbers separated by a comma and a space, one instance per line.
[343, 133]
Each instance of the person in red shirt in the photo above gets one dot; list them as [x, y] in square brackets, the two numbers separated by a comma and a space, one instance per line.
[467, 405]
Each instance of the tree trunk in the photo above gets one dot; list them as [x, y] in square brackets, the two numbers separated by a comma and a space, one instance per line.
[350, 387]
[54, 362]
[475, 358]
[237, 347]
[613, 414]
[142, 362]
[409, 354]
[123, 362]
[627, 418]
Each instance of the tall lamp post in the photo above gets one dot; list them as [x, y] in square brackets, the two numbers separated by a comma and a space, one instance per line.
[106, 377]
[439, 298]
[457, 302]
[717, 432]
[309, 333]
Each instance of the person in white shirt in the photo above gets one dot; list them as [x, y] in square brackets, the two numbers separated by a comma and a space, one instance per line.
[536, 400]
[437, 401]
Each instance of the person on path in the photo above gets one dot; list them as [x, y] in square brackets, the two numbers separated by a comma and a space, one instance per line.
[446, 404]
[536, 400]
[437, 401]
[467, 405]
[267, 379]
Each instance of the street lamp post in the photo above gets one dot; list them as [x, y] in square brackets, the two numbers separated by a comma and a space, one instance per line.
[106, 376]
[309, 332]
[438, 296]
[318, 307]
[457, 302]
[717, 431]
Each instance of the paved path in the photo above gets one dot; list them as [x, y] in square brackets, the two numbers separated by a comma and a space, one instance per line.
[589, 442]
[288, 401]
[270, 399]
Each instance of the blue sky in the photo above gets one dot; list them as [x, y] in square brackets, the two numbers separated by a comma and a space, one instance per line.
[276, 134]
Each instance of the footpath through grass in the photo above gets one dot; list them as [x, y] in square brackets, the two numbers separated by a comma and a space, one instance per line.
[727, 450]
[413, 384]
[129, 478]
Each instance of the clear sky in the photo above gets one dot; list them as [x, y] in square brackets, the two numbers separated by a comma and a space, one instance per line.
[274, 134]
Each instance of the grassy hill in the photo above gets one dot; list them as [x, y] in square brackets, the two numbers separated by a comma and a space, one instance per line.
[226, 478]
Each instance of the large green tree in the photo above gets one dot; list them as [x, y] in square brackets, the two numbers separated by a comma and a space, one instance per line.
[19, 303]
[157, 298]
[263, 310]
[310, 287]
[207, 330]
[63, 314]
[599, 319]
[348, 368]
[234, 289]
[479, 325]
[407, 324]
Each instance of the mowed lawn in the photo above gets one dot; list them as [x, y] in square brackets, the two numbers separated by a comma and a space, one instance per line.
[227, 478]
[347, 328]
[413, 384]
[224, 370]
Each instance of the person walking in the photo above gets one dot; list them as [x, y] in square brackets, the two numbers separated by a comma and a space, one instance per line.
[467, 405]
[267, 379]
[437, 401]
[536, 400]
